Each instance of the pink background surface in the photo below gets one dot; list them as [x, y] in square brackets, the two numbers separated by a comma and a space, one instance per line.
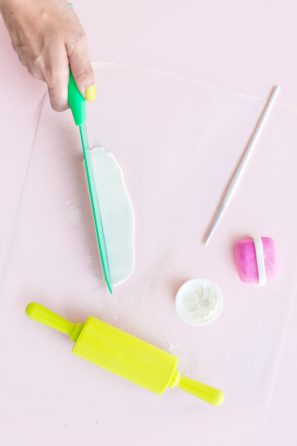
[236, 48]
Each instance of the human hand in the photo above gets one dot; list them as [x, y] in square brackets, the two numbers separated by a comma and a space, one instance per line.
[48, 38]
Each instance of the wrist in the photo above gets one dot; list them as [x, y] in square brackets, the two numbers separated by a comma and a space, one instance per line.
[4, 3]
[12, 3]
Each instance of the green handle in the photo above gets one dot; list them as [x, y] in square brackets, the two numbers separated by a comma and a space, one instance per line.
[47, 317]
[77, 102]
[206, 393]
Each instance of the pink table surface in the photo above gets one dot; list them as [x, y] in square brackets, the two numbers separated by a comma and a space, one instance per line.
[20, 109]
[200, 44]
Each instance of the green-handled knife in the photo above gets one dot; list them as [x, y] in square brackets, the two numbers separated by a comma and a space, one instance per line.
[77, 105]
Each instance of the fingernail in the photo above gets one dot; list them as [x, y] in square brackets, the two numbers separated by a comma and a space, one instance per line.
[90, 93]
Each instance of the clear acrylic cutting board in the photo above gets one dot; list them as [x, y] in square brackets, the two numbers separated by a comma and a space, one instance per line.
[177, 141]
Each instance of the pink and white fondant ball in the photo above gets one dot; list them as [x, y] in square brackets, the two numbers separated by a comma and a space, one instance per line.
[255, 259]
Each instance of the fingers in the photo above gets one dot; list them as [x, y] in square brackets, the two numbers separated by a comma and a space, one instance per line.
[58, 95]
[52, 67]
[56, 75]
[81, 67]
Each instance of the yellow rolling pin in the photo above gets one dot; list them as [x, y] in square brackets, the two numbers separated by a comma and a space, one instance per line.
[124, 355]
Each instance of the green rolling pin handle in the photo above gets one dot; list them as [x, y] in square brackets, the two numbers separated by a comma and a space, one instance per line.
[202, 391]
[77, 102]
[47, 317]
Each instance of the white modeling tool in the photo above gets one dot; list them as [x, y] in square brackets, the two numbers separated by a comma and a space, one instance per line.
[199, 302]
[234, 182]
[116, 212]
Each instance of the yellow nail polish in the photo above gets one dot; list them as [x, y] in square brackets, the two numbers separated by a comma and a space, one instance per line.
[90, 93]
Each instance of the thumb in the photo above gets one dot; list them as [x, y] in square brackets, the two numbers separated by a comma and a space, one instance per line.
[82, 70]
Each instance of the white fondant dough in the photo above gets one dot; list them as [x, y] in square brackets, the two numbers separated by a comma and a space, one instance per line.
[199, 302]
[117, 214]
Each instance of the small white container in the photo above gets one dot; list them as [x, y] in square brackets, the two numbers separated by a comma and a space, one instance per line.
[199, 302]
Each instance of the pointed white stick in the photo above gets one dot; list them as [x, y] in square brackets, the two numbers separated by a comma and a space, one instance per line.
[235, 179]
